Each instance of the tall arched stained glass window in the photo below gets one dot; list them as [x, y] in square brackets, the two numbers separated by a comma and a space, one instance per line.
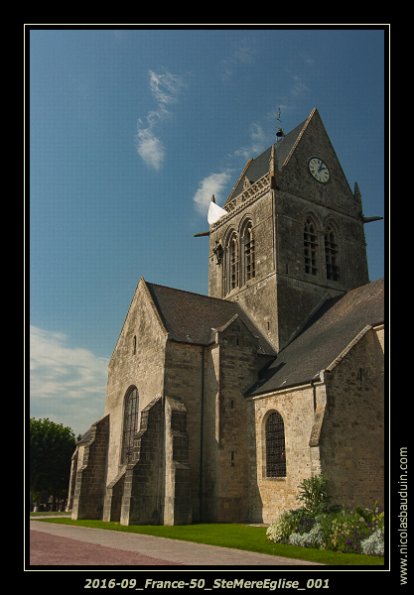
[331, 255]
[275, 446]
[310, 247]
[231, 264]
[248, 252]
[130, 424]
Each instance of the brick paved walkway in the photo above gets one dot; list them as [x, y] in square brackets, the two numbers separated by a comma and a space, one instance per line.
[49, 550]
[66, 545]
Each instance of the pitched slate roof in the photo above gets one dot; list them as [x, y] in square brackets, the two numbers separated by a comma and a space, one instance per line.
[85, 437]
[190, 317]
[260, 165]
[325, 336]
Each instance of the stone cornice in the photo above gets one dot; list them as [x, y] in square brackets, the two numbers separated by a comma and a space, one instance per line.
[246, 198]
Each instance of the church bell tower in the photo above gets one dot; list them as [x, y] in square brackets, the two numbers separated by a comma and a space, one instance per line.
[293, 234]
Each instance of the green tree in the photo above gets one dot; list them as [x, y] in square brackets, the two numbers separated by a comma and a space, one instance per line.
[51, 448]
[313, 493]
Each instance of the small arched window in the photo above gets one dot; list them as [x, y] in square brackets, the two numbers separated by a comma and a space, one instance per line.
[310, 246]
[275, 446]
[134, 345]
[130, 424]
[248, 252]
[331, 255]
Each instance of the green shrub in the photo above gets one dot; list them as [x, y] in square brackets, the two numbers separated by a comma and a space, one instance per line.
[344, 531]
[335, 508]
[287, 523]
[314, 538]
[378, 521]
[374, 544]
[314, 494]
[305, 522]
[319, 525]
[373, 516]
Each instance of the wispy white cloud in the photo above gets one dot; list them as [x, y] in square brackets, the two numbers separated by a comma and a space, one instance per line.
[213, 184]
[299, 86]
[257, 142]
[296, 90]
[216, 183]
[243, 54]
[150, 148]
[67, 384]
[165, 88]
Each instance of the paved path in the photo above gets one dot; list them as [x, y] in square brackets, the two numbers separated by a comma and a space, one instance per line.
[71, 545]
[49, 550]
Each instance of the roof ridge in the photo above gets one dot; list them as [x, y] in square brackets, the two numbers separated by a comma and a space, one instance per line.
[203, 295]
[305, 124]
[337, 326]
[361, 287]
[325, 306]
[381, 279]
[236, 183]
[259, 165]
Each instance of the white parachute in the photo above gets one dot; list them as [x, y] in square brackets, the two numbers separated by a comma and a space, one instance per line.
[215, 212]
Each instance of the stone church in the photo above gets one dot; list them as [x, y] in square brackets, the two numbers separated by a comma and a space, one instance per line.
[218, 406]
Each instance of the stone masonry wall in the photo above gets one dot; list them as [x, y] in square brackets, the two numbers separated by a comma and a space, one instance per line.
[72, 480]
[113, 498]
[91, 473]
[183, 381]
[210, 433]
[296, 178]
[379, 331]
[278, 217]
[144, 369]
[143, 497]
[238, 367]
[268, 497]
[307, 299]
[352, 438]
[257, 296]
[177, 499]
[298, 195]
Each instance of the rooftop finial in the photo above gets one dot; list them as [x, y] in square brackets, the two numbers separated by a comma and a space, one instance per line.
[279, 134]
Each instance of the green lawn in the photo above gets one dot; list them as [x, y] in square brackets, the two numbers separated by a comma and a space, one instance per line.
[242, 537]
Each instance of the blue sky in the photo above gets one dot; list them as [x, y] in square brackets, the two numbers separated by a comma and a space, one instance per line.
[130, 133]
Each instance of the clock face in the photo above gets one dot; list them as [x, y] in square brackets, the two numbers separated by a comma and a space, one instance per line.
[319, 170]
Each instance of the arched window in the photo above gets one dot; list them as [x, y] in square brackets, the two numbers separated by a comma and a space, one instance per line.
[331, 253]
[130, 424]
[231, 272]
[310, 246]
[247, 251]
[233, 263]
[275, 446]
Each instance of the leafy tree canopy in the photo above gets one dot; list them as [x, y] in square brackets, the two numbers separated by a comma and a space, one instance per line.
[51, 448]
